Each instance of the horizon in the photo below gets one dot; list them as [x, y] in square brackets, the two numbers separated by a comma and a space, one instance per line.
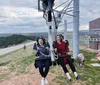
[38, 32]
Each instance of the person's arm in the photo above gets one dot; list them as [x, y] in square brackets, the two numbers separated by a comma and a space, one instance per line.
[47, 46]
[68, 51]
[67, 42]
[55, 47]
[36, 50]
[34, 47]
[67, 47]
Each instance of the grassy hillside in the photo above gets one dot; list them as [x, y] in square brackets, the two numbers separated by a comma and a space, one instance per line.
[18, 62]
[89, 74]
[14, 40]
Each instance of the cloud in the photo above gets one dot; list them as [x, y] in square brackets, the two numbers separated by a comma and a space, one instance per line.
[22, 15]
[18, 18]
[19, 3]
[84, 27]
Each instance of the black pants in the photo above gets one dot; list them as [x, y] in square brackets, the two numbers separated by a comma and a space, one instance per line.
[71, 65]
[43, 66]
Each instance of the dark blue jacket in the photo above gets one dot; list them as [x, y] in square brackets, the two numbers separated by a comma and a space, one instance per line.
[42, 52]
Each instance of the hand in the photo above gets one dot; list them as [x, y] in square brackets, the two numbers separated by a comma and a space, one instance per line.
[37, 57]
[38, 48]
[55, 49]
[47, 48]
[37, 53]
[69, 53]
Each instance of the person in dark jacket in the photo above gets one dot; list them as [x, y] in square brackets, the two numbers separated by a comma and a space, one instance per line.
[42, 61]
[63, 57]
[45, 3]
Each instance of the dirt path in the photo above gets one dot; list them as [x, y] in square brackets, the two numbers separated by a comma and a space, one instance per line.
[88, 49]
[32, 78]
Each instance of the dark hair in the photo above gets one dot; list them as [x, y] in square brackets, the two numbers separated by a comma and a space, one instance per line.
[60, 37]
[44, 42]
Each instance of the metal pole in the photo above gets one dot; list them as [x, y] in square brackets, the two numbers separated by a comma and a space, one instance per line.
[76, 29]
[51, 43]
[54, 30]
[65, 29]
[38, 5]
[50, 30]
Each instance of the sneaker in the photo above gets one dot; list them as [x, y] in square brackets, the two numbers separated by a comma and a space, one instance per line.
[46, 81]
[42, 81]
[68, 76]
[70, 80]
[77, 77]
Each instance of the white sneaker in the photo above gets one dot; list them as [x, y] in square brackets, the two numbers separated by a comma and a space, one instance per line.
[68, 76]
[46, 81]
[42, 81]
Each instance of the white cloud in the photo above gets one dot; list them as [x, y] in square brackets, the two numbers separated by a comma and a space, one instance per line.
[84, 27]
[19, 3]
[22, 15]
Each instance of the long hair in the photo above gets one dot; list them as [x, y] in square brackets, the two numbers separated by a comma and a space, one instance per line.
[44, 42]
[60, 38]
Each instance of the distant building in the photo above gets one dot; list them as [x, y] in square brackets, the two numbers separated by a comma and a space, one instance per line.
[94, 28]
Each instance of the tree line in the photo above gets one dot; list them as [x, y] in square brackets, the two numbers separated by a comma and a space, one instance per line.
[14, 40]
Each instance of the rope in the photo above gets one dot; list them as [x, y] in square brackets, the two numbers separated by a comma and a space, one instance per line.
[66, 8]
[55, 20]
[48, 55]
[44, 54]
[61, 4]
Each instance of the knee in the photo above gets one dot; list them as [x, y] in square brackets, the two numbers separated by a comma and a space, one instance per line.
[47, 66]
[39, 65]
[63, 66]
[69, 60]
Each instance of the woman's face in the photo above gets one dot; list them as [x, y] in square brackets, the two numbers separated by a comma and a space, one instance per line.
[58, 38]
[40, 41]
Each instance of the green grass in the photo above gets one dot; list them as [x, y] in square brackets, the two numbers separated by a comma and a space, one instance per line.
[5, 63]
[16, 55]
[3, 76]
[21, 66]
[89, 75]
[19, 61]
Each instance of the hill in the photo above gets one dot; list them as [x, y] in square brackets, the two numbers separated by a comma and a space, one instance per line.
[14, 40]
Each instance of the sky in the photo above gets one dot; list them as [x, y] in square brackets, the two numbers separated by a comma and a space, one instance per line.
[22, 16]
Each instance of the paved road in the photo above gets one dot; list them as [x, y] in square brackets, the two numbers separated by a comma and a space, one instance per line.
[14, 48]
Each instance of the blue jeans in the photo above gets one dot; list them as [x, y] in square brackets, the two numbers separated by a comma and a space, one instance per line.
[43, 66]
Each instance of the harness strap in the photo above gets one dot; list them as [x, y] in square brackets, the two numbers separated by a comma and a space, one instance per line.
[41, 52]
